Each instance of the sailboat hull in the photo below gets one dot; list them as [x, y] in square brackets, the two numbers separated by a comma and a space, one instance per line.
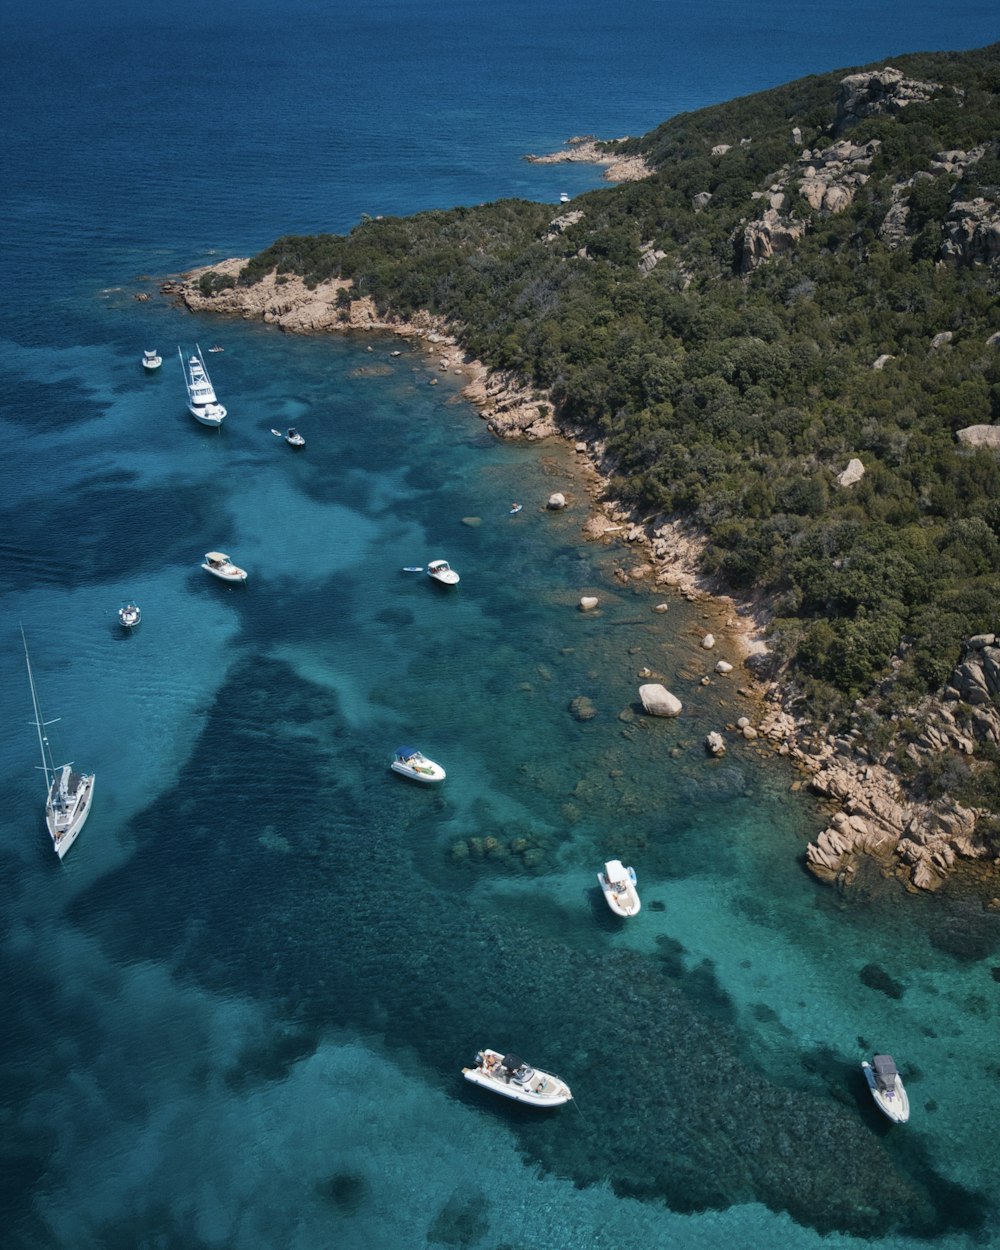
[65, 819]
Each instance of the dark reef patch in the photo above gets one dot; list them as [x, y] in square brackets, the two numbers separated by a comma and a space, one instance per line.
[877, 978]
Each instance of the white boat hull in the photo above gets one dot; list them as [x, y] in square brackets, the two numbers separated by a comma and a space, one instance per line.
[544, 1089]
[620, 895]
[236, 575]
[64, 827]
[442, 573]
[212, 415]
[894, 1103]
[428, 772]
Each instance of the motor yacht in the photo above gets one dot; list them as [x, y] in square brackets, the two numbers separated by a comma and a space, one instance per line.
[202, 403]
[219, 565]
[442, 572]
[409, 762]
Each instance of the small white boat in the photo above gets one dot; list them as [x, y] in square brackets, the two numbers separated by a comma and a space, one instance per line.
[202, 403]
[409, 762]
[151, 360]
[512, 1077]
[887, 1088]
[219, 565]
[442, 572]
[293, 438]
[515, 508]
[69, 793]
[216, 348]
[129, 615]
[618, 884]
[563, 197]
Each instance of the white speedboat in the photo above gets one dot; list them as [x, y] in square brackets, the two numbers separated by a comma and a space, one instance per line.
[293, 438]
[563, 197]
[219, 565]
[69, 793]
[409, 762]
[618, 884]
[512, 1077]
[442, 572]
[129, 615]
[887, 1088]
[202, 404]
[151, 359]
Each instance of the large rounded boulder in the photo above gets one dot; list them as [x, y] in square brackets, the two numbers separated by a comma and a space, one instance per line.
[658, 701]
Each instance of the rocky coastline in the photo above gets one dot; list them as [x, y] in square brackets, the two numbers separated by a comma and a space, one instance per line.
[918, 842]
[588, 150]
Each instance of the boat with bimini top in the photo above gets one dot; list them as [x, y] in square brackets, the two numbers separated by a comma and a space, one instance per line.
[409, 762]
[887, 1087]
[510, 1076]
[202, 403]
[442, 572]
[151, 359]
[69, 793]
[219, 565]
[618, 884]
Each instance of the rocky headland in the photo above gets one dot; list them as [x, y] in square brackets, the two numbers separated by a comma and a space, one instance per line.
[588, 150]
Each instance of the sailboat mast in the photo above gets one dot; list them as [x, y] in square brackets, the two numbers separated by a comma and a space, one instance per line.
[43, 742]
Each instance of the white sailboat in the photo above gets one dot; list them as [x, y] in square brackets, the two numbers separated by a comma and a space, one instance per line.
[202, 403]
[69, 793]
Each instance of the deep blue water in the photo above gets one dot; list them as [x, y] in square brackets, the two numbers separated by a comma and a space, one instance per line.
[237, 1013]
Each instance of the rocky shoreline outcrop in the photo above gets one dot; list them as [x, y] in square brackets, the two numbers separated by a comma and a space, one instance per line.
[920, 842]
[588, 150]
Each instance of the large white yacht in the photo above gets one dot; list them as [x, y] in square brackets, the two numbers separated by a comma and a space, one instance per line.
[69, 793]
[202, 404]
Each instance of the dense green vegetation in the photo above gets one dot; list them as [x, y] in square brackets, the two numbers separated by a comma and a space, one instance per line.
[736, 399]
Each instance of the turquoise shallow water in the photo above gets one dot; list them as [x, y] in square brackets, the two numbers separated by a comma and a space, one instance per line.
[238, 1011]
